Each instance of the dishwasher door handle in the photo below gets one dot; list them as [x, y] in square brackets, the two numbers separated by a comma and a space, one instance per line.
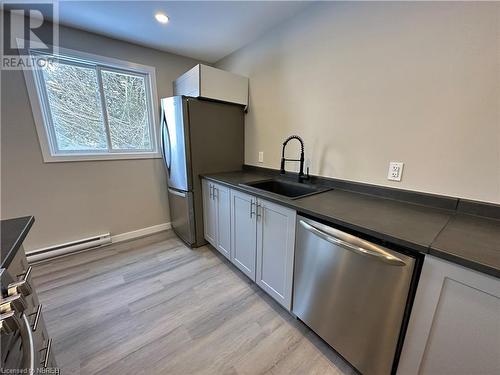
[375, 252]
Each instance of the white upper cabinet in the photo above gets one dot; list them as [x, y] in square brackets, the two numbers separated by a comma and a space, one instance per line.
[275, 250]
[212, 83]
[243, 232]
[454, 325]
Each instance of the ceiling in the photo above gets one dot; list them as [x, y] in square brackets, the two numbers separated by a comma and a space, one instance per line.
[203, 30]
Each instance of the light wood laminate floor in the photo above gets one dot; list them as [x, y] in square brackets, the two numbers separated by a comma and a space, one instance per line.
[154, 306]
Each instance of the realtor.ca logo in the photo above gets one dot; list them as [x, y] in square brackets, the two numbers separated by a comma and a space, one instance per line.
[28, 29]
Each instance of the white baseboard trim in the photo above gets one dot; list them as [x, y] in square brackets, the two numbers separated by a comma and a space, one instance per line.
[68, 248]
[56, 251]
[140, 232]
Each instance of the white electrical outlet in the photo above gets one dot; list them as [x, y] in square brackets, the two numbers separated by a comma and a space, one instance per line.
[395, 171]
[261, 156]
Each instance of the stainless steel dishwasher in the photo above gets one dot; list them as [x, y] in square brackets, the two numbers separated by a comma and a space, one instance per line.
[352, 293]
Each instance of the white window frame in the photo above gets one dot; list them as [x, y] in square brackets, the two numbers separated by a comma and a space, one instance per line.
[43, 121]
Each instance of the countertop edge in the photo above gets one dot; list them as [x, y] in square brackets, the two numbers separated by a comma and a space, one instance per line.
[18, 242]
[470, 264]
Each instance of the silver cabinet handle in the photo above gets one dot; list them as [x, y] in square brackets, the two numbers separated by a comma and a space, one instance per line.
[210, 187]
[214, 196]
[37, 317]
[375, 252]
[22, 286]
[251, 208]
[257, 210]
[47, 349]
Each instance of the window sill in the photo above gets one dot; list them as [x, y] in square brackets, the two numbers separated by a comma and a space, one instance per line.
[100, 157]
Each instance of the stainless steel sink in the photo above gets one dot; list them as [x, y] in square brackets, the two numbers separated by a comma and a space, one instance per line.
[289, 189]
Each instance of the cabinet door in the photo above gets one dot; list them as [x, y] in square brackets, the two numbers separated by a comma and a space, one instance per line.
[188, 84]
[243, 232]
[275, 250]
[223, 220]
[454, 324]
[209, 212]
[221, 85]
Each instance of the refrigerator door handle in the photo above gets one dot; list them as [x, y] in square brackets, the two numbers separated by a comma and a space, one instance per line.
[166, 133]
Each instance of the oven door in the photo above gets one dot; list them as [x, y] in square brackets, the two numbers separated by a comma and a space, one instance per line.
[25, 346]
[18, 343]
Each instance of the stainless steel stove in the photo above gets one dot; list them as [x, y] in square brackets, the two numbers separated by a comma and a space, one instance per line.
[25, 345]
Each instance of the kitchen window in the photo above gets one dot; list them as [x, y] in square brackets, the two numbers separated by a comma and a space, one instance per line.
[88, 107]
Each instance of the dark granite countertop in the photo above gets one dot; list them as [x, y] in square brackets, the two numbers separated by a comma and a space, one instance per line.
[12, 234]
[406, 224]
[469, 240]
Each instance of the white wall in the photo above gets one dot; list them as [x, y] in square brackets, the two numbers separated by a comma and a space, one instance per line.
[80, 199]
[367, 83]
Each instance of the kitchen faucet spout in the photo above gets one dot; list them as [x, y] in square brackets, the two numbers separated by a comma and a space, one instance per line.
[302, 176]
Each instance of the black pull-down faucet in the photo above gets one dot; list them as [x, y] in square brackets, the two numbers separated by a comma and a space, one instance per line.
[302, 176]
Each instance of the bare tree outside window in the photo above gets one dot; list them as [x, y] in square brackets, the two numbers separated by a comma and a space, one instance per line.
[91, 108]
[127, 112]
[75, 107]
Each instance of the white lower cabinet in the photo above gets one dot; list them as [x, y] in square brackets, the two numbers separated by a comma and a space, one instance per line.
[217, 216]
[256, 235]
[209, 212]
[243, 232]
[263, 240]
[454, 325]
[275, 250]
[223, 227]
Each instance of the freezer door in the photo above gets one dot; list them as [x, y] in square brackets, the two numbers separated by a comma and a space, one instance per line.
[182, 214]
[175, 142]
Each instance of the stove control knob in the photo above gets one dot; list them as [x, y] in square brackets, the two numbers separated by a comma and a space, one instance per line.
[8, 323]
[13, 303]
[22, 286]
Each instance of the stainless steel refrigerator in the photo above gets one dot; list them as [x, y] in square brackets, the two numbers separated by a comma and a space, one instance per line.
[198, 137]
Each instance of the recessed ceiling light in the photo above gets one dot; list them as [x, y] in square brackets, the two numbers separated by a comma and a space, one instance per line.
[161, 17]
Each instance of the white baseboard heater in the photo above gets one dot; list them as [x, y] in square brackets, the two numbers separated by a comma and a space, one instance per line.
[68, 248]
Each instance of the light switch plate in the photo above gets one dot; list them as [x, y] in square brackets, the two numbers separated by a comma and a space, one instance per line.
[395, 171]
[261, 156]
